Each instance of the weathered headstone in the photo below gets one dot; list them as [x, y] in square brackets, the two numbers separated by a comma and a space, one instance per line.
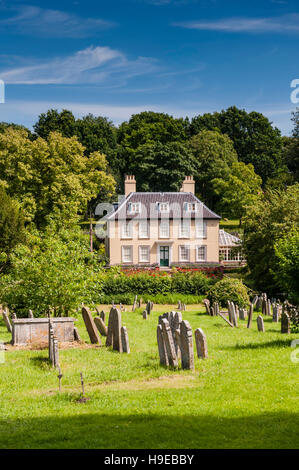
[264, 304]
[225, 319]
[90, 326]
[206, 303]
[144, 315]
[134, 304]
[7, 321]
[187, 354]
[180, 305]
[275, 315]
[250, 313]
[125, 340]
[161, 347]
[101, 326]
[76, 334]
[285, 323]
[114, 330]
[169, 343]
[101, 313]
[201, 343]
[242, 313]
[260, 323]
[269, 307]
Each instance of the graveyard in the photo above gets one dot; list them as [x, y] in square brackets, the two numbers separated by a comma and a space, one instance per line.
[225, 380]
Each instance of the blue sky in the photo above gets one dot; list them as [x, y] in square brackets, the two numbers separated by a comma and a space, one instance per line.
[119, 57]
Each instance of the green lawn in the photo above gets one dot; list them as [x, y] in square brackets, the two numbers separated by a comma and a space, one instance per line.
[245, 395]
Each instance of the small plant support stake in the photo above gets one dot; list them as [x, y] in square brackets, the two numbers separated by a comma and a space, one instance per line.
[82, 384]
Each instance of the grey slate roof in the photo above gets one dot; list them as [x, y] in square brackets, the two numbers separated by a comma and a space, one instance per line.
[148, 206]
[227, 239]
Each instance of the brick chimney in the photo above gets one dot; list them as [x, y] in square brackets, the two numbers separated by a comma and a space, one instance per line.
[188, 185]
[130, 184]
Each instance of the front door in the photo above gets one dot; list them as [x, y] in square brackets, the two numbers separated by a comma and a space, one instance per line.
[164, 255]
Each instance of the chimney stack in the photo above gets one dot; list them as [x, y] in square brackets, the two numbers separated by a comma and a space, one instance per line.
[130, 184]
[188, 185]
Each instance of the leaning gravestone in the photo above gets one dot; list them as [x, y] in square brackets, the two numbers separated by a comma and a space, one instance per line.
[125, 340]
[101, 314]
[250, 313]
[114, 330]
[260, 323]
[90, 326]
[161, 347]
[201, 343]
[101, 326]
[285, 323]
[186, 339]
[169, 344]
[77, 335]
[207, 305]
[6, 320]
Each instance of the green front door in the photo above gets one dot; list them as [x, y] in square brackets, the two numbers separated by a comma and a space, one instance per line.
[164, 255]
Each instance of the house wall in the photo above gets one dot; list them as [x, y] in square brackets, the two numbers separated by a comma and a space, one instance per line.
[115, 242]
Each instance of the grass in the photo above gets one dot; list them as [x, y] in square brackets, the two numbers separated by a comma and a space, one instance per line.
[243, 396]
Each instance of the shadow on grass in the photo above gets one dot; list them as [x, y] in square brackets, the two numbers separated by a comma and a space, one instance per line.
[41, 362]
[278, 343]
[149, 431]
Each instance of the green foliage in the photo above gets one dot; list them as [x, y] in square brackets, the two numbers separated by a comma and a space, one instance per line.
[54, 271]
[229, 289]
[214, 154]
[51, 178]
[12, 231]
[254, 138]
[286, 272]
[239, 190]
[265, 223]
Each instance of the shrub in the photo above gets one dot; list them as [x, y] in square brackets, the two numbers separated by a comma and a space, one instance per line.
[229, 289]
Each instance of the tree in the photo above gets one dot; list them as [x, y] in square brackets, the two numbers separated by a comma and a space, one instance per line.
[53, 121]
[254, 138]
[291, 148]
[12, 229]
[51, 178]
[241, 189]
[56, 271]
[286, 272]
[266, 222]
[162, 167]
[214, 154]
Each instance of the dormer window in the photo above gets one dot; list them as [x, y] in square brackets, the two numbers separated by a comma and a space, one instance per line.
[190, 206]
[134, 207]
[163, 207]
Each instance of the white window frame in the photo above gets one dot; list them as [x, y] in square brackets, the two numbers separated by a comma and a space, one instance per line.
[162, 222]
[147, 260]
[124, 232]
[142, 234]
[134, 207]
[198, 232]
[186, 222]
[163, 207]
[130, 247]
[188, 206]
[187, 247]
[198, 259]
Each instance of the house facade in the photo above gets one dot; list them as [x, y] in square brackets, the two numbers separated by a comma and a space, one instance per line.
[162, 229]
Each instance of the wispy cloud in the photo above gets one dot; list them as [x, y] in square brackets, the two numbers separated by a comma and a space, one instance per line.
[94, 65]
[282, 24]
[34, 20]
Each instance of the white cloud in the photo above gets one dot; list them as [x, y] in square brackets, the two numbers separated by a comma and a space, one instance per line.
[282, 24]
[33, 20]
[94, 65]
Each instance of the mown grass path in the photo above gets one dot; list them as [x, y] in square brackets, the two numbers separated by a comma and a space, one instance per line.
[245, 395]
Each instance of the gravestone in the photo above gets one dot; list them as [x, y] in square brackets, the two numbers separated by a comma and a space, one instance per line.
[7, 321]
[30, 314]
[237, 311]
[125, 340]
[50, 340]
[184, 307]
[114, 330]
[269, 307]
[259, 303]
[144, 315]
[275, 316]
[250, 313]
[161, 347]
[285, 323]
[187, 354]
[225, 319]
[232, 313]
[206, 303]
[90, 326]
[242, 314]
[169, 343]
[102, 328]
[260, 323]
[134, 304]
[254, 300]
[76, 334]
[101, 314]
[264, 304]
[36, 330]
[14, 316]
[201, 343]
[180, 305]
